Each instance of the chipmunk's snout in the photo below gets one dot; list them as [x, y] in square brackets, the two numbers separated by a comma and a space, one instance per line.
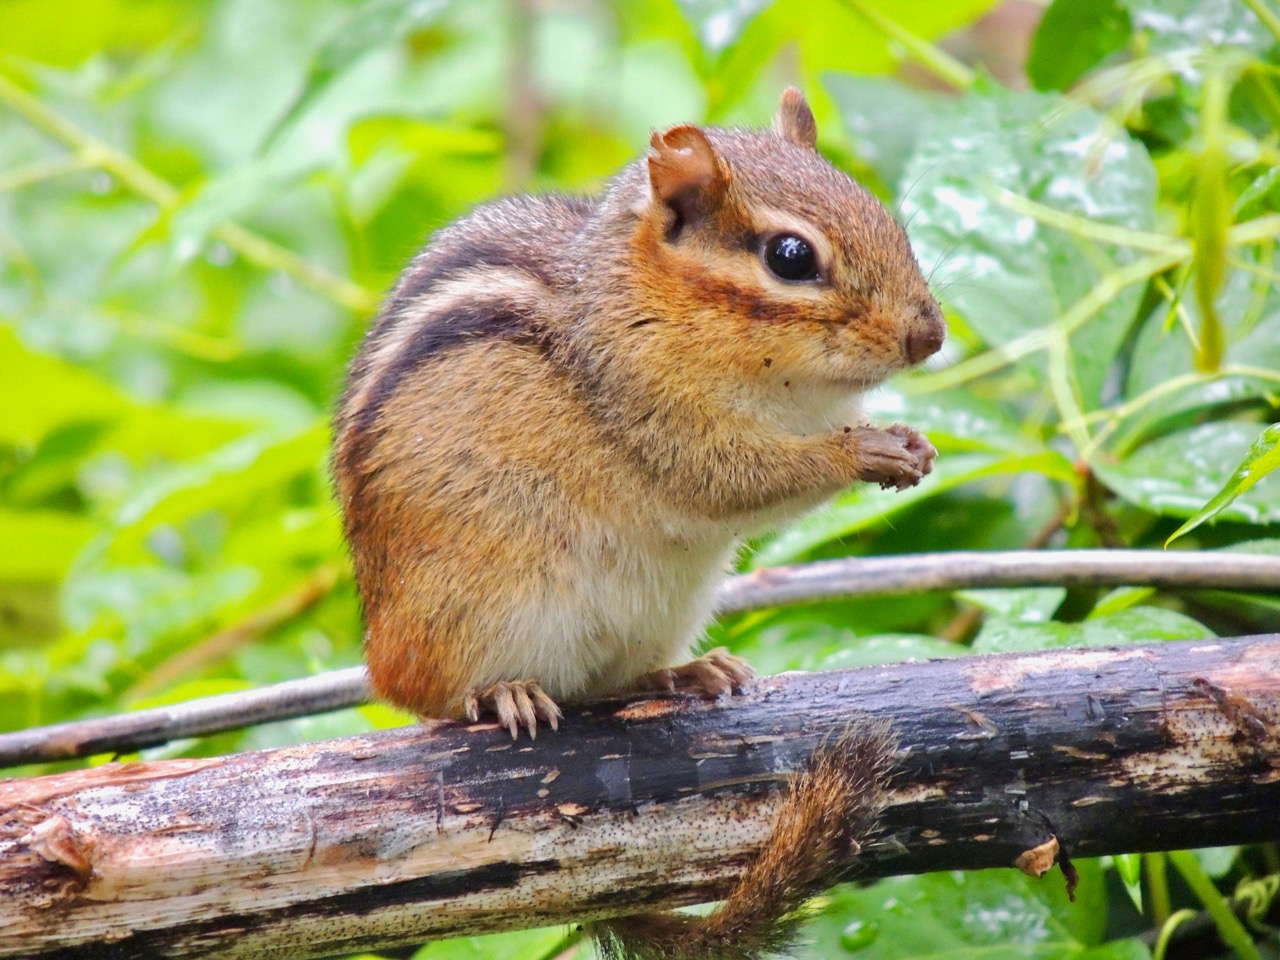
[925, 332]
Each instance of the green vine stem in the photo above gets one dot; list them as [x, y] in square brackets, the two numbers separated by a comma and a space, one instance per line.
[1229, 927]
[1166, 931]
[1266, 15]
[1158, 888]
[89, 151]
[938, 62]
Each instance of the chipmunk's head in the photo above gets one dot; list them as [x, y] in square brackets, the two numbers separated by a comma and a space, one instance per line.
[787, 270]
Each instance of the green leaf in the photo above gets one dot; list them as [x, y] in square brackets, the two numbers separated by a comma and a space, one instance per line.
[216, 201]
[374, 24]
[1073, 37]
[1135, 625]
[864, 506]
[40, 545]
[85, 28]
[147, 605]
[827, 32]
[78, 413]
[1121, 598]
[1025, 604]
[955, 420]
[1262, 458]
[1179, 474]
[1006, 273]
[719, 23]
[1169, 26]
[1129, 869]
[68, 394]
[232, 475]
[1217, 861]
[887, 648]
[885, 118]
[517, 945]
[975, 915]
[1131, 949]
[1258, 192]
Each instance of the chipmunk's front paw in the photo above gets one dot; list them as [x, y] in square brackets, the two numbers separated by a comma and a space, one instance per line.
[896, 457]
[714, 674]
[516, 703]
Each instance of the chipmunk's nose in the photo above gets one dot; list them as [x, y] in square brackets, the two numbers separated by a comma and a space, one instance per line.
[926, 333]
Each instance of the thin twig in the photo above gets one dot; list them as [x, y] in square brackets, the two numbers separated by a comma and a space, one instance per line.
[769, 587]
[302, 597]
[970, 570]
[128, 732]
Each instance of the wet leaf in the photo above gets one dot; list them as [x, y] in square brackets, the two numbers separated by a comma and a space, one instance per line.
[1135, 625]
[885, 118]
[1173, 25]
[1180, 473]
[1263, 457]
[967, 916]
[1006, 273]
[1026, 604]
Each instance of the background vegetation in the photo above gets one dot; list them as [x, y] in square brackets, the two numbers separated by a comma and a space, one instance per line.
[200, 203]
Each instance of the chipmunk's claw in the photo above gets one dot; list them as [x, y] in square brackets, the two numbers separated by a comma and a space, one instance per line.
[516, 704]
[714, 674]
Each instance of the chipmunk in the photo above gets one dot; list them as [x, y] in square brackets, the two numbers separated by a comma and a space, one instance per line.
[571, 412]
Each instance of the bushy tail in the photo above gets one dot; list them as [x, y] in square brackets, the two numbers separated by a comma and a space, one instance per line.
[831, 811]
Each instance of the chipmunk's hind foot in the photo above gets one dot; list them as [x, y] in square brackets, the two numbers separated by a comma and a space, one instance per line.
[516, 704]
[713, 674]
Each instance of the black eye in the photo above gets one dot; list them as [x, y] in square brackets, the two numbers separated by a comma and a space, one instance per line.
[790, 257]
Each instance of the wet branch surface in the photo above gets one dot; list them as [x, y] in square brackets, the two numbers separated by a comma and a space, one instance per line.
[440, 830]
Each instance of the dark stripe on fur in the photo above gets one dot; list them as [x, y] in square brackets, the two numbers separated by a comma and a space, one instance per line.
[473, 254]
[439, 264]
[434, 336]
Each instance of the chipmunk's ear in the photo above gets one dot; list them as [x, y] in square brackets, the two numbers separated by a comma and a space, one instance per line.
[794, 120]
[685, 173]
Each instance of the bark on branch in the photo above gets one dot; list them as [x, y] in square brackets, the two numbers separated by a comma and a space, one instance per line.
[445, 829]
[768, 587]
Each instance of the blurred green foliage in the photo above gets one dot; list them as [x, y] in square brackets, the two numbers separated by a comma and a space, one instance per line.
[200, 203]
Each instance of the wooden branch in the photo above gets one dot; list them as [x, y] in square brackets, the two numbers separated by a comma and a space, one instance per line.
[127, 732]
[444, 829]
[769, 587]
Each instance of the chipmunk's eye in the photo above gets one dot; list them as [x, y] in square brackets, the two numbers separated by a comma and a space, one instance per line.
[790, 257]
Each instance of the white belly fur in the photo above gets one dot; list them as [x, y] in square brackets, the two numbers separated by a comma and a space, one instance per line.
[628, 607]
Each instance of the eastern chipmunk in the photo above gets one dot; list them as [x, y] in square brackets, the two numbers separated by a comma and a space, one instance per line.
[571, 412]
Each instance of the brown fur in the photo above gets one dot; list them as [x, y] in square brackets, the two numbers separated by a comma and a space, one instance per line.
[560, 392]
[817, 833]
[569, 415]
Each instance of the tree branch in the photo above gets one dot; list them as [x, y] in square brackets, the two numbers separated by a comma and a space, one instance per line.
[768, 587]
[444, 829]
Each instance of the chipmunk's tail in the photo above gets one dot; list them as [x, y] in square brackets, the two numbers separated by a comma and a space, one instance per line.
[830, 813]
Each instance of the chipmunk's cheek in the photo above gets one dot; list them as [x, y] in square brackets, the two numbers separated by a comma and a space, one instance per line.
[874, 339]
